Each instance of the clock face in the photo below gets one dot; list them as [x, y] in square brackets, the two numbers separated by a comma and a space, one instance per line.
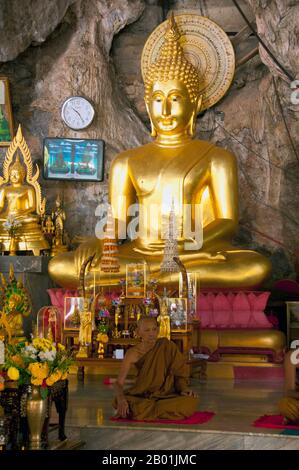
[77, 112]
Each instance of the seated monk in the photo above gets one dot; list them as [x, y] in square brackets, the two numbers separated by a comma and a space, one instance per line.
[289, 405]
[161, 389]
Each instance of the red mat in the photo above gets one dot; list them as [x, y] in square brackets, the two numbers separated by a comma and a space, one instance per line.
[273, 422]
[199, 417]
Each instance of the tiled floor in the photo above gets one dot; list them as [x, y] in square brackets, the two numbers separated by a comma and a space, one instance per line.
[236, 404]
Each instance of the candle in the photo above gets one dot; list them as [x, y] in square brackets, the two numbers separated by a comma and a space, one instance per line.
[2, 357]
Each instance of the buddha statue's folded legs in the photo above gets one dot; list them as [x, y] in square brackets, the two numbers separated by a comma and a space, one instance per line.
[232, 268]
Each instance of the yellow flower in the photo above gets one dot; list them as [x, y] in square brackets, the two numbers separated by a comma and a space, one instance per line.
[54, 378]
[39, 370]
[49, 381]
[60, 347]
[64, 376]
[13, 373]
[36, 381]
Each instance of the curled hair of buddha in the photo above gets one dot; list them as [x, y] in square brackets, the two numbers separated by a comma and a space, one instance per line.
[172, 64]
[19, 167]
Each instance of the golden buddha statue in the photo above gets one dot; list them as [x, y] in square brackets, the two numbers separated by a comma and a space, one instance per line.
[20, 202]
[85, 332]
[164, 321]
[58, 219]
[176, 169]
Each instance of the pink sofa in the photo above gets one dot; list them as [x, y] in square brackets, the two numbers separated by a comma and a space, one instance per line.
[234, 323]
[233, 309]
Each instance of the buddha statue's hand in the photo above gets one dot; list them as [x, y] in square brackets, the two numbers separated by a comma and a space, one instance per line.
[189, 393]
[91, 248]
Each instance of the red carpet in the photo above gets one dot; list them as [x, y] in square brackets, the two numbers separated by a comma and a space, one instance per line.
[272, 422]
[199, 417]
[258, 373]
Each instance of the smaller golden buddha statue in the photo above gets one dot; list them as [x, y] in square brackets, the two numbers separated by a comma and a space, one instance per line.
[85, 332]
[164, 321]
[20, 201]
[58, 219]
[16, 305]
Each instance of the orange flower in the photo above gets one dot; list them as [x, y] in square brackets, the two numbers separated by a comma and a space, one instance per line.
[36, 381]
[54, 378]
[18, 360]
[39, 370]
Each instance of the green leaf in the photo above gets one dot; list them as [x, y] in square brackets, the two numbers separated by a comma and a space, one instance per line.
[44, 392]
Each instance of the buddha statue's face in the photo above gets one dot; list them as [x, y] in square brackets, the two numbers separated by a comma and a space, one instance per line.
[16, 176]
[170, 108]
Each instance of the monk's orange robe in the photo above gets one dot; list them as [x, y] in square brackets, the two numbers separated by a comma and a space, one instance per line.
[162, 376]
[289, 408]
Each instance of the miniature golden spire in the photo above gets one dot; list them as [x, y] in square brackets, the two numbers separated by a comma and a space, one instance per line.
[11, 273]
[172, 64]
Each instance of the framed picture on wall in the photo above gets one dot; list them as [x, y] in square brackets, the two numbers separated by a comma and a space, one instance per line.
[73, 306]
[6, 121]
[178, 312]
[135, 280]
[73, 159]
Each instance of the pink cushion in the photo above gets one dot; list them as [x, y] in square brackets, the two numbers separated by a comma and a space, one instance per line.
[205, 307]
[241, 309]
[222, 311]
[258, 303]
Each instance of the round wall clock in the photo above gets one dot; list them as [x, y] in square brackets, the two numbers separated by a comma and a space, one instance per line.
[77, 112]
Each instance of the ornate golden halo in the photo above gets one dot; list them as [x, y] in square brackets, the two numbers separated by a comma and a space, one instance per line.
[206, 46]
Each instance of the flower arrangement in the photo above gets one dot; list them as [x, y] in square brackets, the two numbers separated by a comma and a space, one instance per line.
[40, 363]
[11, 225]
[102, 337]
[116, 302]
[103, 313]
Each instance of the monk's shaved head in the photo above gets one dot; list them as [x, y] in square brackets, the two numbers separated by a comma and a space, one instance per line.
[143, 320]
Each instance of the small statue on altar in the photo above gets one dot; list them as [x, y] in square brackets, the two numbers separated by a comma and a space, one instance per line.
[164, 321]
[48, 226]
[58, 219]
[20, 201]
[85, 332]
[16, 305]
[52, 325]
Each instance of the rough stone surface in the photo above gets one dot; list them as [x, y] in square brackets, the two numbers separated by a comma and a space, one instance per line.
[27, 22]
[94, 49]
[75, 61]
